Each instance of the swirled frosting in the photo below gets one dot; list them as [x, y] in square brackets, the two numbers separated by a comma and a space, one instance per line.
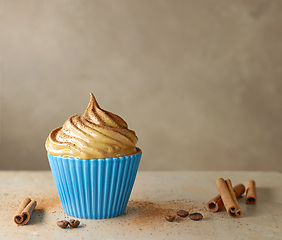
[95, 134]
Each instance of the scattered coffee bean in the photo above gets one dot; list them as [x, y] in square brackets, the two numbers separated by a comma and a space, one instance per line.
[196, 216]
[169, 218]
[63, 223]
[182, 213]
[74, 223]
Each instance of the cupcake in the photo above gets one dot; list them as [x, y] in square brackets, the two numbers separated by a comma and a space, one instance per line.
[94, 161]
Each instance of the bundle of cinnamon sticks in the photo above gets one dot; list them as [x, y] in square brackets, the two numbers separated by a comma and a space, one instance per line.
[228, 196]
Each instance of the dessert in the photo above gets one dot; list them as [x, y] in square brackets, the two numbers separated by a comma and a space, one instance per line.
[94, 161]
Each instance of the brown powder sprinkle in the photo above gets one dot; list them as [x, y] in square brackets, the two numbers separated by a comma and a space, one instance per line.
[152, 214]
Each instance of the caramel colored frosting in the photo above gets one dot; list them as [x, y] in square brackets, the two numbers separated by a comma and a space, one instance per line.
[95, 134]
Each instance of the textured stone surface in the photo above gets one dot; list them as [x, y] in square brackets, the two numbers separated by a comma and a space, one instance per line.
[155, 195]
[199, 82]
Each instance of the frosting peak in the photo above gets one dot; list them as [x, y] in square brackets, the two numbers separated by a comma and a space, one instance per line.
[95, 134]
[95, 114]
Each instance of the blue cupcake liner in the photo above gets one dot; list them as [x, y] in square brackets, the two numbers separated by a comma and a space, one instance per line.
[96, 188]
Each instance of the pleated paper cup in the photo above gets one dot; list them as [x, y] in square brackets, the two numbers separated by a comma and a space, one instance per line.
[96, 188]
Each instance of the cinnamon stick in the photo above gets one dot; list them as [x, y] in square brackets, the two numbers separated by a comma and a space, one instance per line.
[216, 203]
[24, 211]
[251, 195]
[228, 197]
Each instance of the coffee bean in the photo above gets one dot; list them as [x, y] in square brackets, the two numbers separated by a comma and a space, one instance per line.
[196, 216]
[74, 223]
[63, 223]
[182, 213]
[169, 218]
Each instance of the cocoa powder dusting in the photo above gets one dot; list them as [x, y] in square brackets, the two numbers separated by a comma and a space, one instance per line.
[47, 203]
[152, 214]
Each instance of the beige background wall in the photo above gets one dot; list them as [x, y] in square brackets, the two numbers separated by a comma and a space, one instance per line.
[199, 81]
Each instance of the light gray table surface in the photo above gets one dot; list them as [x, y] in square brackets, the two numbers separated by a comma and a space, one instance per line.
[155, 194]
